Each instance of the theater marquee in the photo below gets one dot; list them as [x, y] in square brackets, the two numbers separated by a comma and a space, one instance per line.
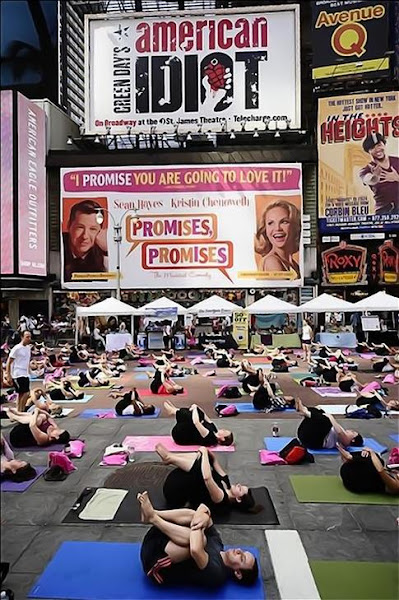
[223, 72]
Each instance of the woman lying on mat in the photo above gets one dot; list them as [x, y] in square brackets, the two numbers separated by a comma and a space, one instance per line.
[9, 464]
[131, 405]
[262, 350]
[281, 364]
[265, 397]
[184, 548]
[63, 390]
[163, 384]
[383, 349]
[364, 473]
[193, 426]
[79, 354]
[383, 365]
[131, 352]
[37, 369]
[200, 479]
[35, 429]
[110, 368]
[39, 398]
[327, 372]
[93, 378]
[320, 430]
[363, 348]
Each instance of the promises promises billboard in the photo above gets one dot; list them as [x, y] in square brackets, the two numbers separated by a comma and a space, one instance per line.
[217, 72]
[358, 141]
[350, 36]
[212, 226]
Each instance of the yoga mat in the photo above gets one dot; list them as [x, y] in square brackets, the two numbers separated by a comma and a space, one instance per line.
[74, 371]
[329, 489]
[86, 398]
[141, 377]
[92, 413]
[278, 444]
[65, 412]
[367, 355]
[221, 382]
[111, 570]
[51, 448]
[303, 375]
[395, 437]
[143, 443]
[98, 387]
[129, 509]
[143, 369]
[11, 486]
[333, 392]
[240, 389]
[356, 580]
[248, 407]
[333, 409]
[33, 378]
[144, 393]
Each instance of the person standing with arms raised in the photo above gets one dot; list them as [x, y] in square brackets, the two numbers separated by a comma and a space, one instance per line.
[17, 369]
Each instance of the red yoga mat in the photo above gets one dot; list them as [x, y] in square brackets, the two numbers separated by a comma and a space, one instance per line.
[146, 392]
[143, 443]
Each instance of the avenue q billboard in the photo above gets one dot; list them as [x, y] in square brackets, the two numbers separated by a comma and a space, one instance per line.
[212, 226]
[349, 37]
[219, 72]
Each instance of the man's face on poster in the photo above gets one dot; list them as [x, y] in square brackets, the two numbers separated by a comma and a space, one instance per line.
[378, 152]
[83, 232]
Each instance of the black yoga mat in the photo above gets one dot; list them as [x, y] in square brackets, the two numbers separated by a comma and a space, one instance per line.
[150, 477]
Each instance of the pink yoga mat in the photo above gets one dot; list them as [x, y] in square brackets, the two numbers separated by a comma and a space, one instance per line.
[143, 443]
[335, 392]
[367, 355]
[144, 393]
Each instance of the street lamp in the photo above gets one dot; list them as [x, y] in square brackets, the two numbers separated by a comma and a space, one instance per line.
[117, 238]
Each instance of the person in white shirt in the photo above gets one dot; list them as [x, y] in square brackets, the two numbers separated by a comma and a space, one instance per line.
[167, 336]
[307, 336]
[17, 369]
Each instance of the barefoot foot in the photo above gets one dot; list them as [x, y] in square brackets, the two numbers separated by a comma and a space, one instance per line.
[147, 510]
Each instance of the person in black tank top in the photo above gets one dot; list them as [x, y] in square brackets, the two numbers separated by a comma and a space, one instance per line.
[193, 426]
[131, 405]
[200, 479]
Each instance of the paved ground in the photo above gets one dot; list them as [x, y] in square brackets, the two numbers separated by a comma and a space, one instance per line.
[31, 522]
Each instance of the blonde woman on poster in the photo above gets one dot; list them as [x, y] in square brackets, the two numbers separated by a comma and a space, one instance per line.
[278, 236]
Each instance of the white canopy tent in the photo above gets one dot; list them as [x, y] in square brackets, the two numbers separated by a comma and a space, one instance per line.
[379, 302]
[214, 306]
[110, 307]
[326, 303]
[269, 305]
[159, 304]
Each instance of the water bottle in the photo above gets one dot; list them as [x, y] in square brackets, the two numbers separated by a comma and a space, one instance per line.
[130, 452]
[275, 430]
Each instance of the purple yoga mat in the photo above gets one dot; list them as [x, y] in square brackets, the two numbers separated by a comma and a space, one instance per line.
[367, 355]
[226, 382]
[11, 486]
[51, 448]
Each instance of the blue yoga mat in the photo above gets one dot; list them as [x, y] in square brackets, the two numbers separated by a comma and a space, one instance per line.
[92, 413]
[143, 369]
[248, 407]
[277, 444]
[395, 437]
[108, 570]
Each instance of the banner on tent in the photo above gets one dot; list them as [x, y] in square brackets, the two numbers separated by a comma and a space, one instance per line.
[358, 162]
[217, 71]
[199, 226]
[240, 328]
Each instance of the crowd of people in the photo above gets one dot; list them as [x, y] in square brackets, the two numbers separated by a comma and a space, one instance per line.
[183, 544]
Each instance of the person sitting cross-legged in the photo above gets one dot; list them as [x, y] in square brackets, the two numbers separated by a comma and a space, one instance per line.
[184, 548]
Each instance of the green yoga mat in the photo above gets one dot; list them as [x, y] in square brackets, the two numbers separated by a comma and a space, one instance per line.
[355, 580]
[329, 489]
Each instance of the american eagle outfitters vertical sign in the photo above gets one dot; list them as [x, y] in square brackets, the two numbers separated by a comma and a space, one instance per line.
[193, 72]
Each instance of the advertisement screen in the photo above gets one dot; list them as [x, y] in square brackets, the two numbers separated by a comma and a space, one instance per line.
[199, 226]
[349, 37]
[32, 206]
[7, 210]
[359, 162]
[214, 72]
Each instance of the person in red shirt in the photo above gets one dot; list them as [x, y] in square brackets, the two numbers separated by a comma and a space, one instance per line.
[381, 175]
